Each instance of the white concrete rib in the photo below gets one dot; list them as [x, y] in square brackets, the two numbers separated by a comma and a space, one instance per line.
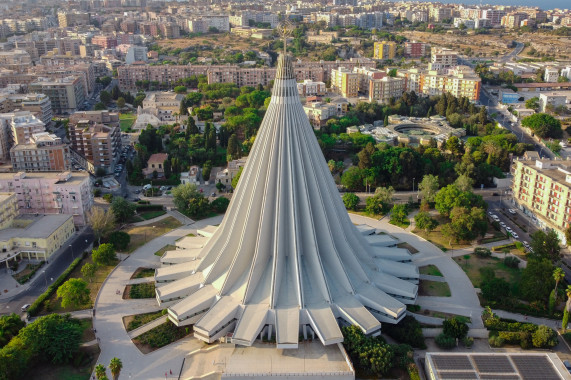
[286, 255]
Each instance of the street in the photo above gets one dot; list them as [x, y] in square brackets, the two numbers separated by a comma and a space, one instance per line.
[48, 273]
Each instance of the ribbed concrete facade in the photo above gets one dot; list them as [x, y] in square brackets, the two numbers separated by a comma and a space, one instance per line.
[286, 261]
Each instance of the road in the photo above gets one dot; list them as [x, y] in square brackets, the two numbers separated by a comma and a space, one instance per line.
[51, 271]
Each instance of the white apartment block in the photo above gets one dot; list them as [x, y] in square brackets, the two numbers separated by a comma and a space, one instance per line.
[311, 88]
[566, 72]
[382, 90]
[39, 104]
[551, 75]
[554, 100]
[442, 58]
[17, 128]
[203, 23]
[136, 54]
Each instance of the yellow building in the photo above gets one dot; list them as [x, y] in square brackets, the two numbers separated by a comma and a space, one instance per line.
[542, 189]
[345, 82]
[8, 209]
[385, 50]
[35, 237]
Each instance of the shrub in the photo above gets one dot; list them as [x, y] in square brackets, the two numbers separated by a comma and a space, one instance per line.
[370, 354]
[351, 201]
[145, 290]
[445, 341]
[162, 335]
[108, 197]
[482, 252]
[455, 328]
[220, 204]
[511, 262]
[544, 337]
[468, 341]
[495, 289]
[406, 331]
[521, 338]
[495, 341]
[413, 372]
[499, 248]
[120, 240]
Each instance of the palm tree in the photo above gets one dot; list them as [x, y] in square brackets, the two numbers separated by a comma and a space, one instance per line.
[100, 371]
[565, 320]
[558, 275]
[115, 366]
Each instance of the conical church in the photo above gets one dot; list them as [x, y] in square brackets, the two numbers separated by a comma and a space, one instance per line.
[286, 262]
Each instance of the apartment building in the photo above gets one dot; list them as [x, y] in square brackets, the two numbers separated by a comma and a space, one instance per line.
[136, 54]
[44, 153]
[202, 24]
[437, 13]
[382, 90]
[345, 82]
[69, 19]
[459, 81]
[443, 58]
[542, 189]
[8, 209]
[311, 88]
[38, 104]
[99, 144]
[97, 117]
[164, 105]
[494, 16]
[17, 128]
[385, 50]
[17, 60]
[551, 75]
[51, 193]
[66, 95]
[132, 75]
[413, 49]
[105, 41]
[318, 113]
[513, 20]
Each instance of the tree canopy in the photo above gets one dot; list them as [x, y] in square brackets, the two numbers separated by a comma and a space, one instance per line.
[543, 125]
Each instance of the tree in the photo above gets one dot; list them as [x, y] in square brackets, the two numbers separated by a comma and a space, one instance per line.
[425, 222]
[233, 151]
[220, 204]
[237, 177]
[104, 254]
[180, 89]
[546, 245]
[352, 178]
[455, 328]
[121, 102]
[365, 156]
[74, 293]
[351, 201]
[494, 288]
[537, 280]
[120, 240]
[429, 187]
[100, 371]
[543, 125]
[10, 325]
[105, 97]
[451, 196]
[122, 209]
[544, 337]
[532, 103]
[88, 271]
[565, 319]
[99, 107]
[399, 214]
[464, 183]
[102, 222]
[558, 275]
[115, 367]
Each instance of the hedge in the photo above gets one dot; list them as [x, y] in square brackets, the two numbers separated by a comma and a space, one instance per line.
[504, 246]
[38, 303]
[142, 208]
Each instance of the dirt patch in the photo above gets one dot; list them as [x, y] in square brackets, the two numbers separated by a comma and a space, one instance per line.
[410, 248]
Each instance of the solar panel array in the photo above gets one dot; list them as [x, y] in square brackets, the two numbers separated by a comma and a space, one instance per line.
[499, 377]
[452, 362]
[533, 367]
[458, 375]
[493, 364]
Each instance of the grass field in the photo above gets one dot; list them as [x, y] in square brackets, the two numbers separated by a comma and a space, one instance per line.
[140, 235]
[473, 265]
[126, 121]
[431, 270]
[434, 289]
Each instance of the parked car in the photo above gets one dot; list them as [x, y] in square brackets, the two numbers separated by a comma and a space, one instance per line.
[503, 225]
[26, 307]
[567, 365]
[511, 211]
[490, 213]
[137, 191]
[509, 229]
[515, 235]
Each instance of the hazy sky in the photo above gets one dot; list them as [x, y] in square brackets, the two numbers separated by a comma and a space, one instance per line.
[546, 4]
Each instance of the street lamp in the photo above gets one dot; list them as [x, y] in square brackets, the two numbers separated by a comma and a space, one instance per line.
[45, 278]
[413, 185]
[72, 254]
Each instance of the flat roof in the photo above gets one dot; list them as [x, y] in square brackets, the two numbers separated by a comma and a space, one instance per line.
[497, 365]
[75, 177]
[42, 227]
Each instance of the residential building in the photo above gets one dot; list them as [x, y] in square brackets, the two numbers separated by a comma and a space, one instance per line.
[542, 189]
[99, 144]
[97, 117]
[382, 90]
[566, 72]
[8, 209]
[385, 50]
[459, 81]
[551, 75]
[164, 105]
[136, 54]
[35, 237]
[51, 193]
[443, 58]
[156, 163]
[105, 41]
[513, 20]
[192, 176]
[16, 60]
[69, 19]
[225, 176]
[438, 13]
[38, 104]
[15, 128]
[66, 95]
[311, 88]
[415, 49]
[44, 153]
[318, 113]
[202, 24]
[552, 101]
[345, 82]
[494, 15]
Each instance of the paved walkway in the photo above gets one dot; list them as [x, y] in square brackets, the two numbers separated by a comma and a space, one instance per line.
[110, 309]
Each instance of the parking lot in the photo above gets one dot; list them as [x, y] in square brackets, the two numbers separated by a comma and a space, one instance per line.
[511, 223]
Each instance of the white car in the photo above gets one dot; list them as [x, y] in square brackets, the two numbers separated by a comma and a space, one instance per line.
[511, 211]
[503, 225]
[26, 307]
[509, 229]
[516, 236]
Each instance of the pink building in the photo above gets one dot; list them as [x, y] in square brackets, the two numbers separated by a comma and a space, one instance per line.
[51, 193]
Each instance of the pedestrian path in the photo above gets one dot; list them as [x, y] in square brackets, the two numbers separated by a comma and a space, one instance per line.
[149, 326]
[142, 280]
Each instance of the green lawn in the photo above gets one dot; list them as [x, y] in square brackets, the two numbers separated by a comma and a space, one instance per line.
[431, 270]
[126, 121]
[141, 235]
[131, 322]
[161, 251]
[152, 214]
[434, 289]
[472, 268]
[143, 272]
